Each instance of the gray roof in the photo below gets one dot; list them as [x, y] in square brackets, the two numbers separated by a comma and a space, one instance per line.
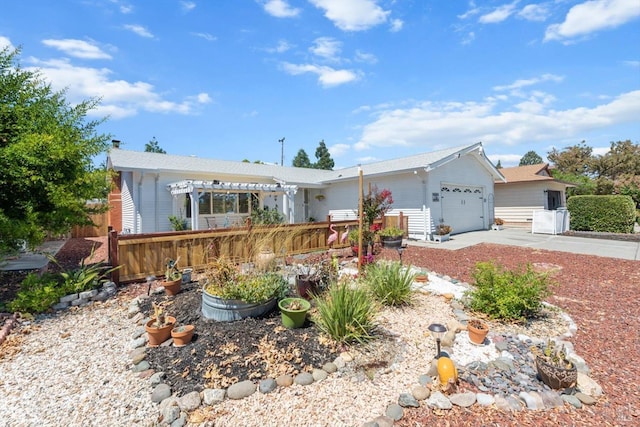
[142, 161]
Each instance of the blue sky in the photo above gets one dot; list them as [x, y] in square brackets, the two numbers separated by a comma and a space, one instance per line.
[374, 79]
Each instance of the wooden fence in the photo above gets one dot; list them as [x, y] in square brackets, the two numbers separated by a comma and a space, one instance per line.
[142, 255]
[100, 229]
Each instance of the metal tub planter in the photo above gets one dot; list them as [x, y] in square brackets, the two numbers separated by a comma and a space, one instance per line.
[228, 310]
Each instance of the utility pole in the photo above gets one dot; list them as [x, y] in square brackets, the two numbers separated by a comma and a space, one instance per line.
[281, 141]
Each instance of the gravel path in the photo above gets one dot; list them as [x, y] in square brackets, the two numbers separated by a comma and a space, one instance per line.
[73, 370]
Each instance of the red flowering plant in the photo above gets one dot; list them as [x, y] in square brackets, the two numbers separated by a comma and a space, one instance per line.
[374, 205]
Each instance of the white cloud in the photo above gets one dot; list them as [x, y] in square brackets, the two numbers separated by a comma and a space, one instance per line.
[139, 30]
[280, 9]
[206, 36]
[522, 83]
[499, 14]
[118, 97]
[534, 12]
[338, 150]
[281, 47]
[396, 25]
[187, 6]
[327, 76]
[5, 42]
[365, 57]
[352, 15]
[124, 7]
[491, 122]
[77, 48]
[326, 47]
[506, 160]
[591, 16]
[632, 64]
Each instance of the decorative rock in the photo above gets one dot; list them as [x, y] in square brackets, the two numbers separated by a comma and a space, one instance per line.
[501, 345]
[138, 357]
[161, 392]
[420, 392]
[134, 309]
[464, 400]
[69, 298]
[346, 356]
[138, 332]
[339, 362]
[382, 421]
[406, 400]
[319, 374]
[142, 366]
[170, 414]
[585, 398]
[532, 399]
[136, 351]
[433, 369]
[502, 404]
[88, 294]
[214, 395]
[241, 390]
[448, 339]
[515, 404]
[189, 401]
[484, 399]
[394, 411]
[60, 306]
[267, 385]
[79, 302]
[439, 400]
[552, 399]
[330, 367]
[425, 379]
[284, 380]
[139, 342]
[156, 378]
[146, 374]
[303, 378]
[572, 400]
[181, 421]
[588, 385]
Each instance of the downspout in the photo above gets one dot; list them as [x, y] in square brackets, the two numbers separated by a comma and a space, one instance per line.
[137, 226]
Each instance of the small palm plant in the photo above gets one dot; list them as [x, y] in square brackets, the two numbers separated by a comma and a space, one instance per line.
[390, 282]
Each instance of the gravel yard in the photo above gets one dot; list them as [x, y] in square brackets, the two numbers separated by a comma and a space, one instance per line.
[72, 369]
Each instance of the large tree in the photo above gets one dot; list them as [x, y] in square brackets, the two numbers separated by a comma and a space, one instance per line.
[324, 157]
[574, 160]
[153, 147]
[47, 149]
[530, 158]
[301, 160]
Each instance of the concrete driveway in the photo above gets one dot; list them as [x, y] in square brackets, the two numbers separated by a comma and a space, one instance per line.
[521, 237]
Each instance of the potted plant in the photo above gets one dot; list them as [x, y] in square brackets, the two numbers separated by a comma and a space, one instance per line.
[172, 277]
[478, 331]
[553, 367]
[314, 275]
[442, 233]
[497, 224]
[367, 239]
[182, 335]
[391, 237]
[229, 294]
[294, 311]
[159, 326]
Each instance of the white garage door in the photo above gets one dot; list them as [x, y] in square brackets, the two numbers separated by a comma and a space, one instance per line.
[462, 207]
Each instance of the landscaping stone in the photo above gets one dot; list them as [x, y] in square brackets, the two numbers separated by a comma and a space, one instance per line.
[142, 366]
[181, 421]
[267, 386]
[330, 367]
[303, 378]
[464, 400]
[420, 392]
[394, 411]
[424, 380]
[381, 421]
[69, 298]
[189, 401]
[339, 362]
[585, 398]
[588, 386]
[138, 357]
[214, 395]
[532, 399]
[572, 400]
[319, 374]
[241, 390]
[552, 399]
[156, 378]
[284, 380]
[170, 414]
[406, 400]
[161, 392]
[484, 399]
[439, 400]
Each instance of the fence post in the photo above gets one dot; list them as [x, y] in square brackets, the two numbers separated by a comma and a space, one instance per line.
[113, 255]
[401, 223]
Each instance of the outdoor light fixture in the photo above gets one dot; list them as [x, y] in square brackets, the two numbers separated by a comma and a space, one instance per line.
[438, 331]
[400, 251]
[150, 280]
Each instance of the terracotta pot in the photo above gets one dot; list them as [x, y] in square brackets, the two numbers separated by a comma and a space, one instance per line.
[477, 335]
[182, 335]
[159, 335]
[421, 278]
[556, 377]
[172, 287]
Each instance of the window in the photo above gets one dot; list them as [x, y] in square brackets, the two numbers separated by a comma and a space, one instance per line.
[204, 204]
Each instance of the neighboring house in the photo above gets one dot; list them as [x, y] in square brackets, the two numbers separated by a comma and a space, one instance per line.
[528, 189]
[453, 186]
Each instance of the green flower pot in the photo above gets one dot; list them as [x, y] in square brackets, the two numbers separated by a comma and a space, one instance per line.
[293, 318]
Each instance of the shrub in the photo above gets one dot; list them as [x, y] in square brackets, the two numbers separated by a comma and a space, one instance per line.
[613, 214]
[37, 293]
[391, 232]
[507, 295]
[345, 313]
[389, 282]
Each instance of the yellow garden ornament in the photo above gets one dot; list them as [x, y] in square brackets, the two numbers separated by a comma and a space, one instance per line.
[447, 372]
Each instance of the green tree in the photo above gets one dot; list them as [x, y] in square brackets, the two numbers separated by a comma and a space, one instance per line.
[575, 160]
[153, 147]
[530, 158]
[301, 160]
[46, 157]
[499, 165]
[324, 157]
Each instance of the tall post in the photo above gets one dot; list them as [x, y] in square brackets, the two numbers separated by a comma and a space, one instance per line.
[281, 141]
[360, 194]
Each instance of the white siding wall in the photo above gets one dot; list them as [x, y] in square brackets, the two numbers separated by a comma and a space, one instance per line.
[127, 202]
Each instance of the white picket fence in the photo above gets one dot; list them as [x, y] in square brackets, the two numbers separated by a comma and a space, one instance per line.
[419, 221]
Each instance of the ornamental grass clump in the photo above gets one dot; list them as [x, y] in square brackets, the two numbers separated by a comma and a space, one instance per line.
[508, 295]
[345, 313]
[389, 282]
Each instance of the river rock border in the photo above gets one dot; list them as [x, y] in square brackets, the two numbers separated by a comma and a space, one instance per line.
[174, 409]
